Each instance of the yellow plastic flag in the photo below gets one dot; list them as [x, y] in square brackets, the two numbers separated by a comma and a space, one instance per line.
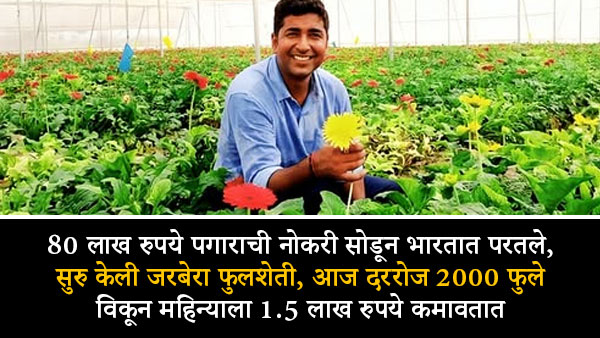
[167, 41]
[90, 50]
[356, 40]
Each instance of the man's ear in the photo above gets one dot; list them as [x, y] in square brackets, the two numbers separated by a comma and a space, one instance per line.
[274, 42]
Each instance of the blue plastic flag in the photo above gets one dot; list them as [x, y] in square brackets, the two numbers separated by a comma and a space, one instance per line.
[125, 64]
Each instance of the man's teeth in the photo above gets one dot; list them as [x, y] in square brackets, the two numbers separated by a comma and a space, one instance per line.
[301, 58]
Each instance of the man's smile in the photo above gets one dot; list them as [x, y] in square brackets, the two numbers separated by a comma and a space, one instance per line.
[302, 57]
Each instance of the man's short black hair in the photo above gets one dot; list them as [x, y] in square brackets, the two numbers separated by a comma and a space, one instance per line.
[286, 8]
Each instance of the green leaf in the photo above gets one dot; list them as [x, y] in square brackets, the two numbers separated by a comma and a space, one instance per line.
[551, 192]
[397, 198]
[158, 192]
[497, 199]
[288, 207]
[439, 167]
[418, 193]
[463, 159]
[213, 178]
[582, 207]
[535, 137]
[332, 204]
[83, 199]
[366, 206]
[121, 192]
[475, 209]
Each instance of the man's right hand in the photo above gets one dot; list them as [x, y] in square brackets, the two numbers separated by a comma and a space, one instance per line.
[331, 162]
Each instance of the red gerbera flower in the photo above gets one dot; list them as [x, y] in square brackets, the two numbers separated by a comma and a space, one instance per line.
[6, 74]
[501, 61]
[521, 71]
[236, 181]
[400, 81]
[482, 56]
[33, 84]
[70, 76]
[549, 62]
[488, 68]
[110, 78]
[373, 84]
[2, 92]
[383, 71]
[407, 98]
[200, 80]
[230, 74]
[218, 85]
[248, 196]
[356, 83]
[76, 95]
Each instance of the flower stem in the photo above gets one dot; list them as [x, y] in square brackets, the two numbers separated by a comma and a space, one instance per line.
[349, 198]
[191, 109]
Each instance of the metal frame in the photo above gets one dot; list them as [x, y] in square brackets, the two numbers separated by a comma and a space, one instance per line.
[40, 29]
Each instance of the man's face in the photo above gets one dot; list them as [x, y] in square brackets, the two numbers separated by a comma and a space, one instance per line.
[300, 45]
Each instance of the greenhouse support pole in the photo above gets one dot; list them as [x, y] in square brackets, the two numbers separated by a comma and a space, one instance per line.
[148, 27]
[375, 22]
[391, 38]
[100, 29]
[468, 25]
[256, 31]
[198, 13]
[34, 36]
[137, 37]
[93, 27]
[215, 17]
[554, 22]
[110, 36]
[127, 19]
[580, 21]
[339, 42]
[448, 20]
[179, 31]
[416, 41]
[168, 22]
[189, 28]
[46, 28]
[162, 50]
[518, 21]
[39, 28]
[20, 33]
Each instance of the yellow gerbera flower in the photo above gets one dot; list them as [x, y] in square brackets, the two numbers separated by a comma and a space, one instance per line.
[475, 101]
[450, 179]
[474, 126]
[581, 120]
[340, 130]
[493, 146]
[462, 130]
[167, 41]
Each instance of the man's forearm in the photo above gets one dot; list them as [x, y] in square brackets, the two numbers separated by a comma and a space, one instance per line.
[290, 177]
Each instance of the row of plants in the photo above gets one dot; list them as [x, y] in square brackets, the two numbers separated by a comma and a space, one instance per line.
[506, 129]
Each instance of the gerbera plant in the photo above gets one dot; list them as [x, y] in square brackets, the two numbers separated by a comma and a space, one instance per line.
[247, 195]
[476, 106]
[201, 82]
[340, 131]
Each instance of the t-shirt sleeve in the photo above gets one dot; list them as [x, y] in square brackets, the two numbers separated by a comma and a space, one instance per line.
[254, 135]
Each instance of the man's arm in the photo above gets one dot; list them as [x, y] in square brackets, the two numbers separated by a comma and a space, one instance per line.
[327, 162]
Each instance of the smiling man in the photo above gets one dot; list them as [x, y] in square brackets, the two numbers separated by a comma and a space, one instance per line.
[271, 130]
